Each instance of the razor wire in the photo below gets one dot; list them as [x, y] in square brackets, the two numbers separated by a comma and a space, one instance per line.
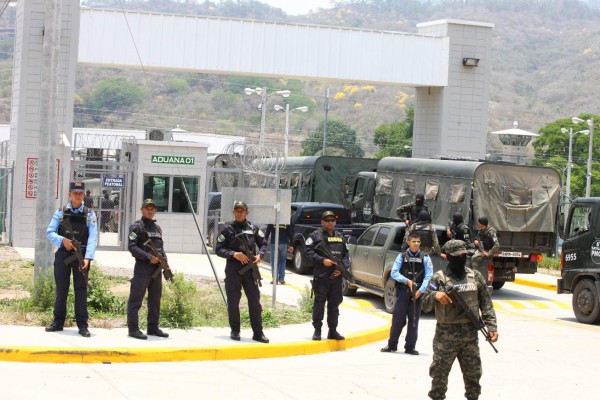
[264, 160]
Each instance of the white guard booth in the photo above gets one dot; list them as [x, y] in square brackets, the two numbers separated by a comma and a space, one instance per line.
[162, 167]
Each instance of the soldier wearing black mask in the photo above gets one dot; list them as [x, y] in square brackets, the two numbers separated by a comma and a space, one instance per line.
[409, 212]
[458, 230]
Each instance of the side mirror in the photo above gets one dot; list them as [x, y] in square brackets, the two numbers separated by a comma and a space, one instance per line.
[352, 240]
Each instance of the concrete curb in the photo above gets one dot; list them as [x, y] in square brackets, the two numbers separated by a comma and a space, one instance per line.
[539, 285]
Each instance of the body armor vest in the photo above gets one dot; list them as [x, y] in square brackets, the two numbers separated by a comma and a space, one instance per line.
[467, 288]
[336, 244]
[154, 234]
[458, 232]
[419, 269]
[238, 244]
[486, 239]
[74, 225]
[424, 231]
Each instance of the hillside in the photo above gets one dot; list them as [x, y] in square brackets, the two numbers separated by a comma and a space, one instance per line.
[543, 69]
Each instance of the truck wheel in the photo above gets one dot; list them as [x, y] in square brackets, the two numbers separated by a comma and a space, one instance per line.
[347, 289]
[586, 303]
[498, 285]
[299, 261]
[389, 295]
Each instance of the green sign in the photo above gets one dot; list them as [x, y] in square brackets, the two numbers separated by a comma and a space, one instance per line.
[173, 160]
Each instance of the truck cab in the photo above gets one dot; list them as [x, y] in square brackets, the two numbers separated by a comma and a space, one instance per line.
[580, 259]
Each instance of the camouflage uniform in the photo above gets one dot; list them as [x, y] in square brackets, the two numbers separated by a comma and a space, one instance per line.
[429, 240]
[461, 232]
[488, 240]
[457, 338]
[410, 211]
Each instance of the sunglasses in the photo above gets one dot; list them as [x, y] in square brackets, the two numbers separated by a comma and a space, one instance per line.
[329, 220]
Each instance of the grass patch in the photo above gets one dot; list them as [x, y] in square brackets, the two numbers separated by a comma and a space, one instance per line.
[550, 263]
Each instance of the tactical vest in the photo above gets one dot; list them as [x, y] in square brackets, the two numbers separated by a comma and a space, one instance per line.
[458, 232]
[238, 244]
[415, 210]
[74, 225]
[419, 268]
[424, 231]
[154, 235]
[486, 239]
[336, 244]
[467, 288]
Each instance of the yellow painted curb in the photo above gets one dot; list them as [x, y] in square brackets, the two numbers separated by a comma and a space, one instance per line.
[547, 286]
[120, 355]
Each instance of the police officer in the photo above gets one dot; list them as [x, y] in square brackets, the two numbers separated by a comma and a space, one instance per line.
[458, 230]
[487, 243]
[327, 283]
[455, 335]
[146, 264]
[284, 247]
[73, 223]
[235, 238]
[411, 271]
[410, 211]
[426, 231]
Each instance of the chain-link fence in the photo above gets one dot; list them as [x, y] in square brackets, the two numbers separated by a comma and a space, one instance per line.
[6, 190]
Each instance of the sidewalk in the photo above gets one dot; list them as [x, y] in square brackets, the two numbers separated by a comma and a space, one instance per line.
[358, 324]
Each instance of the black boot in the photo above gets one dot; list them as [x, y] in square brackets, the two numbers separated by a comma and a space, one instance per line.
[317, 334]
[333, 334]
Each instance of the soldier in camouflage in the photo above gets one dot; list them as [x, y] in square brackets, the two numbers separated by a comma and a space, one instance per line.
[409, 212]
[429, 241]
[458, 230]
[487, 243]
[455, 336]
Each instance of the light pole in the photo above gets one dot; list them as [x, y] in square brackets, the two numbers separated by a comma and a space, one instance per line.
[588, 185]
[287, 121]
[262, 92]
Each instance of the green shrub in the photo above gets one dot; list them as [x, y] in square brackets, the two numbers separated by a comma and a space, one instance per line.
[306, 302]
[179, 309]
[44, 291]
[100, 298]
[550, 263]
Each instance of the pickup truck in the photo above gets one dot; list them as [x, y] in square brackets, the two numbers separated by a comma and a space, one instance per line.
[305, 218]
[372, 258]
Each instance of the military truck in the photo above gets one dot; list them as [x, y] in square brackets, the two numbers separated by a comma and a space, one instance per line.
[521, 202]
[580, 259]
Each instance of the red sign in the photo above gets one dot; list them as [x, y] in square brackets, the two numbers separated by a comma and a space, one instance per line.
[31, 178]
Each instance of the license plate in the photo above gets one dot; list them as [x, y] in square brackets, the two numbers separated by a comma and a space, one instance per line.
[516, 254]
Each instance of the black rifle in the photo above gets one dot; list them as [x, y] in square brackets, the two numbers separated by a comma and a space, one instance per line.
[163, 265]
[323, 250]
[476, 320]
[413, 291]
[250, 254]
[77, 256]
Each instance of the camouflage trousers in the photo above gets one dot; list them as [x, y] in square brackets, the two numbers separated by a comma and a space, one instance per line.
[477, 258]
[452, 341]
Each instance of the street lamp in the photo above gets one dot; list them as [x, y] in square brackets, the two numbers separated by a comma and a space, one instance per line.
[287, 121]
[588, 177]
[262, 92]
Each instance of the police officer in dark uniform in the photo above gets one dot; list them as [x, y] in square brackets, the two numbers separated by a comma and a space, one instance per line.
[410, 211]
[458, 230]
[73, 223]
[146, 264]
[235, 239]
[327, 283]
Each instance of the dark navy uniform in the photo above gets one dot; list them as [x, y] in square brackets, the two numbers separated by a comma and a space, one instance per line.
[326, 287]
[139, 232]
[79, 224]
[228, 243]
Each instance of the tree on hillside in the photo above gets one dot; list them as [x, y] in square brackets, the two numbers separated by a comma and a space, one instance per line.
[341, 141]
[552, 149]
[114, 94]
[392, 138]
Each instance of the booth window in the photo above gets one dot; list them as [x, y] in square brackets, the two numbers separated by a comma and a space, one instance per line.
[168, 194]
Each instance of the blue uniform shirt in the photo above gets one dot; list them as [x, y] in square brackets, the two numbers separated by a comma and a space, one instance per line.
[427, 265]
[56, 239]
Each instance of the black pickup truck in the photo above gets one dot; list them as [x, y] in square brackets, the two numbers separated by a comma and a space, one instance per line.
[305, 218]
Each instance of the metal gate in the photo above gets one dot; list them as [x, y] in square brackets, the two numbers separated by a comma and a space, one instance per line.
[98, 160]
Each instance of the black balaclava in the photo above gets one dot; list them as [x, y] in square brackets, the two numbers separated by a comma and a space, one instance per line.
[457, 265]
[423, 216]
[457, 218]
[419, 199]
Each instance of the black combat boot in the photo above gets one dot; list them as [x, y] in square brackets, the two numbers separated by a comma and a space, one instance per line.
[333, 334]
[317, 334]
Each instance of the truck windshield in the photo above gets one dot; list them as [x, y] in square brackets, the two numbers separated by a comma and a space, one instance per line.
[580, 221]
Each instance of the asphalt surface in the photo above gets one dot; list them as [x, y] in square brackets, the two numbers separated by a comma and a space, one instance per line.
[360, 323]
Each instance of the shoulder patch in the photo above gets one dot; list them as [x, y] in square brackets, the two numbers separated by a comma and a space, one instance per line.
[433, 285]
[308, 241]
[220, 238]
[132, 236]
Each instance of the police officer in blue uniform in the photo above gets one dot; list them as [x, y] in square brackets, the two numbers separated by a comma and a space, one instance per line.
[73, 223]
[327, 284]
[146, 264]
[235, 239]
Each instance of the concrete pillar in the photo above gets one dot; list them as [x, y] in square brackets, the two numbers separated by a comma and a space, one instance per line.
[452, 120]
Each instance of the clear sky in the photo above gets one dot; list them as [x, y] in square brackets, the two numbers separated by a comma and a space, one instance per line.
[298, 7]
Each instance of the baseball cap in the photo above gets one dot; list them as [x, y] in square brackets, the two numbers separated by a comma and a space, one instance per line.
[327, 214]
[148, 202]
[240, 204]
[77, 187]
[455, 247]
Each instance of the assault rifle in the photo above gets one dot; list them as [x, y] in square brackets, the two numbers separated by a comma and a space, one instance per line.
[250, 254]
[163, 265]
[476, 320]
[323, 250]
[77, 256]
[413, 291]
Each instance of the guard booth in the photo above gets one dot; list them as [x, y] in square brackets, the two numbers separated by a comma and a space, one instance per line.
[121, 171]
